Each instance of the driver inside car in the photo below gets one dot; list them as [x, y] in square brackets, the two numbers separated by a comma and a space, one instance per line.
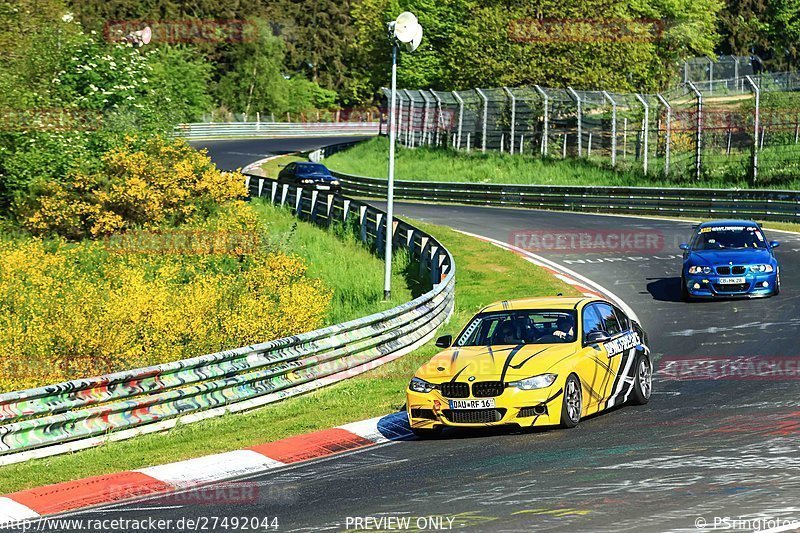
[506, 334]
[565, 328]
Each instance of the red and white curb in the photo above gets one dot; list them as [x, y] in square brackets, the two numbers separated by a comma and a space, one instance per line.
[107, 489]
[586, 286]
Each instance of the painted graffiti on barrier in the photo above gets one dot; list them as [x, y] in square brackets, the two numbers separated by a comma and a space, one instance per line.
[230, 380]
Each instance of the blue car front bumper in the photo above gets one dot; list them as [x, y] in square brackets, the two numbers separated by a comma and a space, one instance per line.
[709, 285]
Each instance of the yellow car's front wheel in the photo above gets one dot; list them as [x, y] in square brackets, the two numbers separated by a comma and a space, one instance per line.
[572, 403]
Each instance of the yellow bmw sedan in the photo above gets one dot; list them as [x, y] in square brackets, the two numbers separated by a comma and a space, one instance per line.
[532, 362]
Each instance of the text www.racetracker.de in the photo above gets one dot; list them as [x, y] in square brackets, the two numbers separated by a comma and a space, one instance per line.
[197, 523]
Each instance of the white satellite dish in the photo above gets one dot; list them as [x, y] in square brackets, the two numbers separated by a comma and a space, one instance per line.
[416, 40]
[145, 35]
[141, 37]
[407, 30]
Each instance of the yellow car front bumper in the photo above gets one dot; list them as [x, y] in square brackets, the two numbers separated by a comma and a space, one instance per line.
[525, 408]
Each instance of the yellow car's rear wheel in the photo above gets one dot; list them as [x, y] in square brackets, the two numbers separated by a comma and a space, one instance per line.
[572, 403]
[643, 384]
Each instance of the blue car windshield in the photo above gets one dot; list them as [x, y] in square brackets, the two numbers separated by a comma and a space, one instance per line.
[520, 327]
[728, 238]
[309, 169]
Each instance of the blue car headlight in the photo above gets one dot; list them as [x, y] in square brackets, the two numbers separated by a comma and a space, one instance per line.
[761, 268]
[700, 270]
[420, 385]
[536, 382]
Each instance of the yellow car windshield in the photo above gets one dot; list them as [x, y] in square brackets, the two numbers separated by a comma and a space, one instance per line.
[520, 327]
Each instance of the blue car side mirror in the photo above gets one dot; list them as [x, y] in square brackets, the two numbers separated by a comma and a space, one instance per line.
[683, 246]
[774, 244]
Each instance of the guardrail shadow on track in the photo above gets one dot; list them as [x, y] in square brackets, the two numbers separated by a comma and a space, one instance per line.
[79, 414]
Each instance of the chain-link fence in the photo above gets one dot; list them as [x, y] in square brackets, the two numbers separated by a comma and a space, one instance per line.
[691, 131]
[725, 74]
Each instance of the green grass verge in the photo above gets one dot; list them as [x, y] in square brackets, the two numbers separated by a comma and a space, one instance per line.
[485, 274]
[340, 260]
[436, 164]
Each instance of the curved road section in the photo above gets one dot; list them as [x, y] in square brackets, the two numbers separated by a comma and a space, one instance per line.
[719, 441]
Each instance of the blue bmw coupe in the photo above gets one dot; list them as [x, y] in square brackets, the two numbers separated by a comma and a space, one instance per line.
[729, 258]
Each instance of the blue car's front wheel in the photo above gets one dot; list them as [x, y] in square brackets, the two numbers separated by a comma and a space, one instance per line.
[685, 296]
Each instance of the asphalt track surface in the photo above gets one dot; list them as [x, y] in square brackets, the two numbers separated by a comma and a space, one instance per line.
[702, 449]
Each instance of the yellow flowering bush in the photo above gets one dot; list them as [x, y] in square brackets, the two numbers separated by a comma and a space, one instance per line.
[142, 183]
[72, 310]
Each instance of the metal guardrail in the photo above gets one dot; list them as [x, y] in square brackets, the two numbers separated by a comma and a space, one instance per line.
[234, 380]
[761, 204]
[250, 130]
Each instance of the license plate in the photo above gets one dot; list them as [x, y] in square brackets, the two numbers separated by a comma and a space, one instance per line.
[487, 403]
[323, 187]
[730, 281]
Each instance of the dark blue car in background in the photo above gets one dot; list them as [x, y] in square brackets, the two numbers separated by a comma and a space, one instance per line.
[729, 258]
[310, 176]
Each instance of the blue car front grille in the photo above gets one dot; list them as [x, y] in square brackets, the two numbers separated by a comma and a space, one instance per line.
[730, 270]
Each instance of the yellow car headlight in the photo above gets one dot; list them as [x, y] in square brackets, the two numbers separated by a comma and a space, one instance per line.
[420, 385]
[541, 381]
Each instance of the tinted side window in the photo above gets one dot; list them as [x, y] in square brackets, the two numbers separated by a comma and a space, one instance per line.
[623, 319]
[591, 321]
[609, 319]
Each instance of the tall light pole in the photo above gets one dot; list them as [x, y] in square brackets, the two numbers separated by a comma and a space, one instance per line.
[404, 30]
